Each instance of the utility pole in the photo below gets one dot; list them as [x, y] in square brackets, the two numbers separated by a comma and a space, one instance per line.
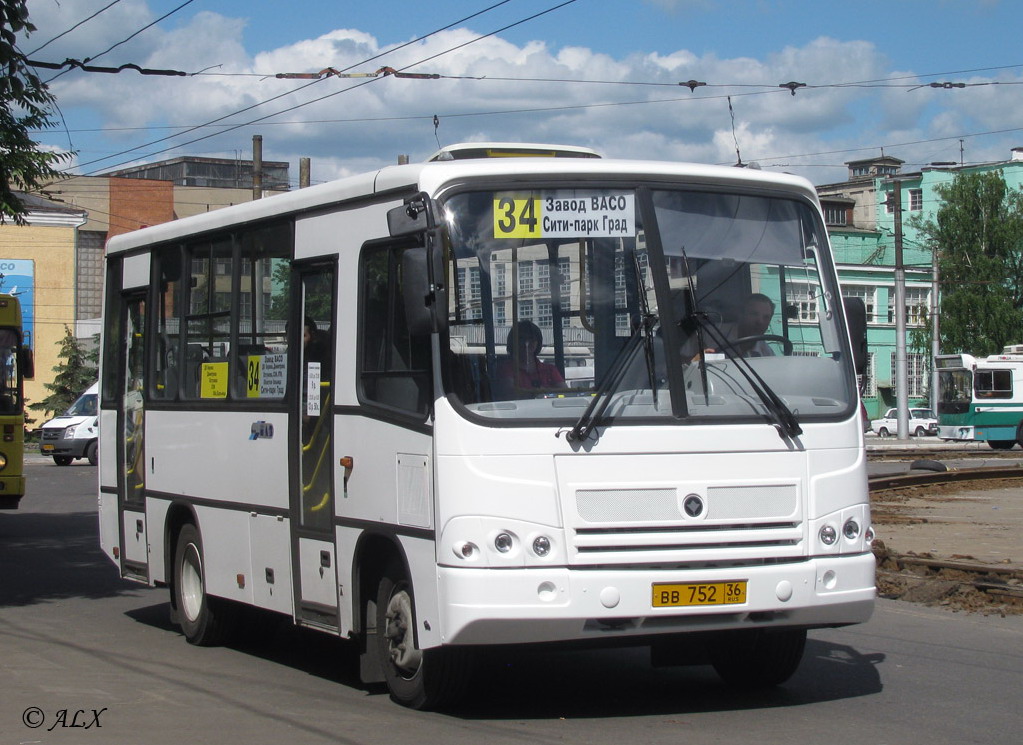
[935, 328]
[303, 173]
[257, 166]
[901, 371]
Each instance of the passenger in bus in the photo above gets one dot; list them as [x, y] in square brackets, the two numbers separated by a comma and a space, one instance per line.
[314, 342]
[523, 370]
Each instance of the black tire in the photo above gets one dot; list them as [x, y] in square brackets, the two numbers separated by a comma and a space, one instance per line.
[62, 460]
[760, 658]
[883, 432]
[418, 679]
[205, 621]
[920, 432]
[92, 453]
[1001, 444]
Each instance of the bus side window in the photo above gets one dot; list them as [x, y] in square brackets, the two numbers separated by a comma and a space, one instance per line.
[395, 364]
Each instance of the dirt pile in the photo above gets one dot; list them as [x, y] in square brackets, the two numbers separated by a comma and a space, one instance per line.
[951, 545]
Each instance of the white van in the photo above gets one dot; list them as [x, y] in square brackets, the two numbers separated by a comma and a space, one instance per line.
[74, 434]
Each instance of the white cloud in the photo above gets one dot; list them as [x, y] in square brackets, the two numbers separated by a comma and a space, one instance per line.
[361, 124]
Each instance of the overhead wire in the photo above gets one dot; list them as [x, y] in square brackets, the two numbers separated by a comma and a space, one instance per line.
[129, 38]
[352, 87]
[274, 98]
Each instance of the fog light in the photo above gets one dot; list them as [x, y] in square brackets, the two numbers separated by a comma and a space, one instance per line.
[541, 545]
[503, 542]
[828, 535]
[851, 529]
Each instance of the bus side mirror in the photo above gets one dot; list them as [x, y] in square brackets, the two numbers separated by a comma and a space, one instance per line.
[424, 299]
[414, 216]
[27, 363]
[856, 317]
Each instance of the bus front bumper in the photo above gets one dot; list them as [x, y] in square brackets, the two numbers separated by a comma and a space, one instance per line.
[515, 606]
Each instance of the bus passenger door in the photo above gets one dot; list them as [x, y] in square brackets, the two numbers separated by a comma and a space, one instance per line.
[131, 455]
[312, 492]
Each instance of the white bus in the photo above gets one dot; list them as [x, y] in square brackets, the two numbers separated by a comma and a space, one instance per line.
[981, 399]
[410, 475]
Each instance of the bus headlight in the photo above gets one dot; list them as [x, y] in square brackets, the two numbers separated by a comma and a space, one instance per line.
[3, 461]
[503, 542]
[828, 535]
[851, 529]
[541, 545]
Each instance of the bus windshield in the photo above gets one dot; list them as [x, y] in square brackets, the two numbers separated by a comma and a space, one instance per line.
[671, 303]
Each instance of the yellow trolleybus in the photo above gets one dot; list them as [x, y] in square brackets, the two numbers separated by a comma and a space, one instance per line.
[15, 366]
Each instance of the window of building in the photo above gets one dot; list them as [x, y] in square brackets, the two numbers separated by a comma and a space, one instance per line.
[918, 304]
[917, 373]
[916, 200]
[835, 215]
[804, 299]
[866, 293]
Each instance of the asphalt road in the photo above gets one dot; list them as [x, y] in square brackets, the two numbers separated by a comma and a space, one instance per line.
[75, 638]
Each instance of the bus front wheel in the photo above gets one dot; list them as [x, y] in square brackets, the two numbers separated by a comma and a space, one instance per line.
[205, 621]
[416, 678]
[759, 658]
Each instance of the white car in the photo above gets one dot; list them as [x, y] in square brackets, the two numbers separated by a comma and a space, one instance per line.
[921, 422]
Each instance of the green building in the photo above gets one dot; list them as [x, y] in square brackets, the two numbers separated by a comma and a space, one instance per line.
[860, 216]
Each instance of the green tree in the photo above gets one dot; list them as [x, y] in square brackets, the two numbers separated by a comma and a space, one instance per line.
[75, 372]
[25, 104]
[978, 234]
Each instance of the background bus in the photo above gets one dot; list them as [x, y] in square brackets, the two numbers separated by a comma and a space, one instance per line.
[350, 405]
[981, 399]
[16, 362]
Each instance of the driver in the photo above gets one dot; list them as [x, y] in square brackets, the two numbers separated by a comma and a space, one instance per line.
[756, 317]
[757, 312]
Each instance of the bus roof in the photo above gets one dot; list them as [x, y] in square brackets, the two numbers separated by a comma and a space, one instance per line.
[465, 150]
[432, 176]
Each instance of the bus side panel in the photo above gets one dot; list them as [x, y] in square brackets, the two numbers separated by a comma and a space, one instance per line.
[378, 492]
[108, 451]
[156, 518]
[270, 546]
[226, 552]
[108, 538]
[213, 456]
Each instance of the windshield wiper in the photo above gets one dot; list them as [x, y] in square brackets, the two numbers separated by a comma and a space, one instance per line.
[784, 419]
[602, 396]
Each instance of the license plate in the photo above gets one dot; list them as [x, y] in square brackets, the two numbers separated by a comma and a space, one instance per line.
[47, 448]
[667, 595]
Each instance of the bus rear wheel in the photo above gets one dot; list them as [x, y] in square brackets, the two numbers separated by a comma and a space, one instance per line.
[205, 621]
[416, 678]
[1001, 444]
[759, 658]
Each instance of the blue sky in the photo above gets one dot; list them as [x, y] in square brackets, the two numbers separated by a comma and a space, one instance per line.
[867, 65]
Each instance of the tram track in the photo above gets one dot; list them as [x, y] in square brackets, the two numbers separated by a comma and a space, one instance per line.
[959, 581]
